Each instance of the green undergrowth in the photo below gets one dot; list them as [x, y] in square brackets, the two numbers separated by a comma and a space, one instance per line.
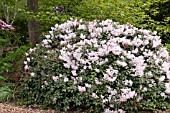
[12, 59]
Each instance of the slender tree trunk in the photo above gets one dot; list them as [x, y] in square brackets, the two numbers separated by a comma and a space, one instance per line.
[33, 24]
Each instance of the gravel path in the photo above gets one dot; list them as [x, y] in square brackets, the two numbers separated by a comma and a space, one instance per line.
[9, 108]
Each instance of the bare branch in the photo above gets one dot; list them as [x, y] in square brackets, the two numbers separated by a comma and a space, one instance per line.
[15, 12]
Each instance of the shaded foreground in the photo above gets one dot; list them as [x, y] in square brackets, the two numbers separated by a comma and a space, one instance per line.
[11, 108]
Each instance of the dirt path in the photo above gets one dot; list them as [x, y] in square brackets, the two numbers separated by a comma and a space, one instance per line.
[9, 108]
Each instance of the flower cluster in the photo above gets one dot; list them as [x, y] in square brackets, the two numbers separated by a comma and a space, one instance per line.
[5, 26]
[111, 63]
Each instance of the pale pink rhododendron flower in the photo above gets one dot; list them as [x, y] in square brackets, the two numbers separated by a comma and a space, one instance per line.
[123, 64]
[94, 95]
[66, 79]
[167, 86]
[32, 74]
[55, 78]
[25, 62]
[163, 94]
[28, 59]
[26, 67]
[88, 85]
[162, 78]
[127, 94]
[46, 83]
[128, 82]
[74, 72]
[81, 89]
[26, 54]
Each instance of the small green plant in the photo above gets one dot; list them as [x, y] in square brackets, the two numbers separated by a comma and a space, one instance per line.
[2, 78]
[2, 42]
[6, 93]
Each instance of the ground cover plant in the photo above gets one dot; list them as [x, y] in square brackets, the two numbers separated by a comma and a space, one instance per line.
[98, 66]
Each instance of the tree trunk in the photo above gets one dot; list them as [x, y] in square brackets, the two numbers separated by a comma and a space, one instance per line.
[33, 24]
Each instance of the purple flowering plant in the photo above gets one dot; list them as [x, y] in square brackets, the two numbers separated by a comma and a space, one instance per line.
[98, 66]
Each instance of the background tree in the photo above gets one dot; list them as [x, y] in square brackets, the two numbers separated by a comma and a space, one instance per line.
[33, 24]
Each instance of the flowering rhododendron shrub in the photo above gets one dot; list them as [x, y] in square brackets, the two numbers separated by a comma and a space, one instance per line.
[98, 66]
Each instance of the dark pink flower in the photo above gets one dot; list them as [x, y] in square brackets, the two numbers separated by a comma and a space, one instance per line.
[5, 26]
